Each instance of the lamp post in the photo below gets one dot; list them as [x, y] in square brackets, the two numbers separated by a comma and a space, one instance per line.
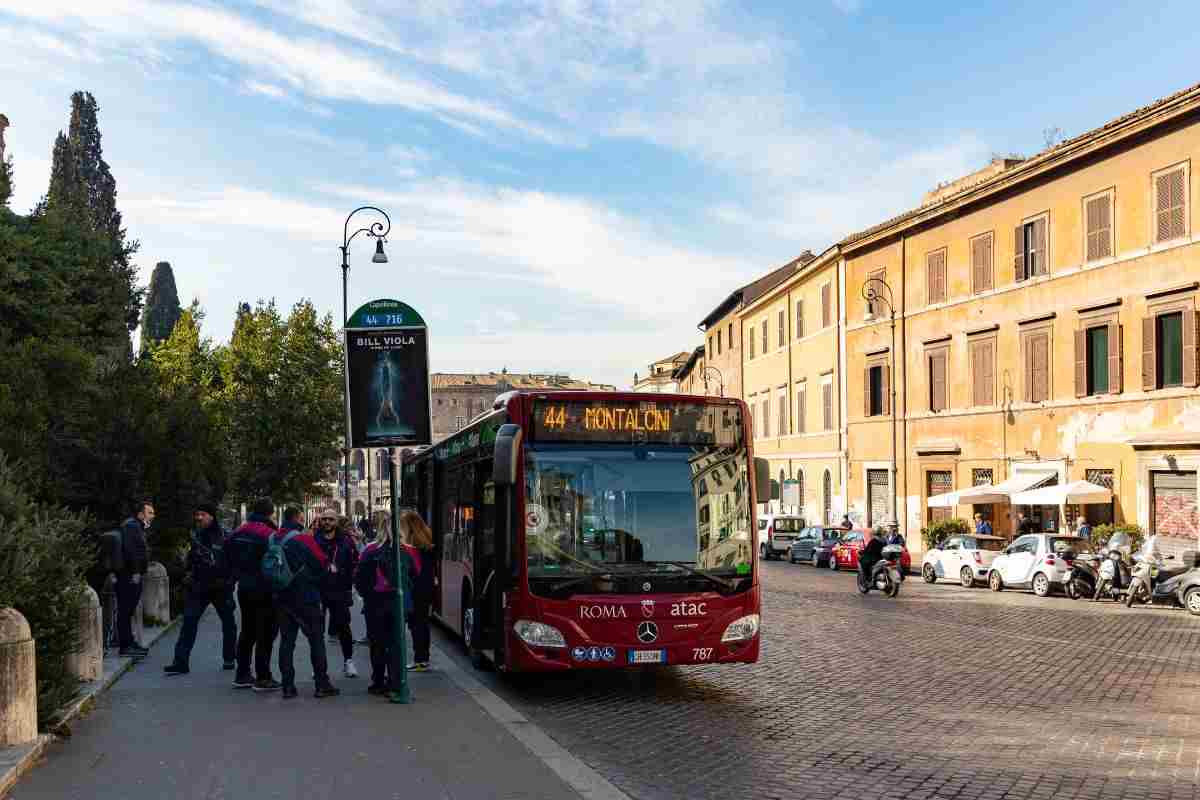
[720, 379]
[877, 290]
[378, 231]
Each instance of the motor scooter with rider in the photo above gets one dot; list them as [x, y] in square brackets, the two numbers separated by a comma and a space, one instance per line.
[879, 566]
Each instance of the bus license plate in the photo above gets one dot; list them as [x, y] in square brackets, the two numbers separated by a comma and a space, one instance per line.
[647, 656]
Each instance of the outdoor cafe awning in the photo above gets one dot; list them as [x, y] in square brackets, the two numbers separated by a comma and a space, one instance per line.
[983, 495]
[1076, 493]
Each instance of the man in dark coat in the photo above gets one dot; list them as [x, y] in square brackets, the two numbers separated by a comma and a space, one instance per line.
[337, 584]
[298, 608]
[208, 583]
[129, 580]
[245, 549]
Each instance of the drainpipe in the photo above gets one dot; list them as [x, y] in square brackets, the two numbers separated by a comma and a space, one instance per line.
[843, 460]
[904, 350]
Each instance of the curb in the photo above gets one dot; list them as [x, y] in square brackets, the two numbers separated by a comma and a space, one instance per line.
[15, 762]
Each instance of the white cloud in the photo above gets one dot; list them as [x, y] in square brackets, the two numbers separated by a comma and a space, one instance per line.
[264, 89]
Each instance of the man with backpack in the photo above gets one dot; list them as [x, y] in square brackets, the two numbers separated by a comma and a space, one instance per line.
[295, 566]
[208, 582]
[337, 584]
[135, 558]
[245, 550]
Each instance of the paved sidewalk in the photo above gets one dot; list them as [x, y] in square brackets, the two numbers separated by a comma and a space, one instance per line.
[193, 736]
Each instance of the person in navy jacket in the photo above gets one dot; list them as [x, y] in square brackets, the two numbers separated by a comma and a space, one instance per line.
[299, 606]
[245, 550]
[337, 585]
[208, 582]
[372, 579]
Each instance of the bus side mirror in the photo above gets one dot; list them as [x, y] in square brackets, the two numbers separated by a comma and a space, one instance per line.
[762, 479]
[508, 450]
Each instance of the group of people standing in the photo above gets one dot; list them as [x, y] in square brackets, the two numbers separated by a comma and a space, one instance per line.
[323, 565]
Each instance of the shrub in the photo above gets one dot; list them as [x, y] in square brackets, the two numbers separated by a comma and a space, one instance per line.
[940, 531]
[1102, 533]
[43, 560]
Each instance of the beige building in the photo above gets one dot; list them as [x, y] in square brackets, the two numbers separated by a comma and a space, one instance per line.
[694, 377]
[792, 356]
[458, 398]
[660, 378]
[1045, 332]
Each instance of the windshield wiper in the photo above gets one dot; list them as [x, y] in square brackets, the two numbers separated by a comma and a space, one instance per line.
[689, 569]
[568, 583]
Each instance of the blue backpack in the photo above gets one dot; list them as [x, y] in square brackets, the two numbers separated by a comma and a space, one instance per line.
[275, 566]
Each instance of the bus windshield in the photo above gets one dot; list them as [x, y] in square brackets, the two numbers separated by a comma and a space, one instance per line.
[623, 510]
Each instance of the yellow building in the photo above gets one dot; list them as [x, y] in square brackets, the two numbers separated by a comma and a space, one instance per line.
[792, 356]
[1045, 332]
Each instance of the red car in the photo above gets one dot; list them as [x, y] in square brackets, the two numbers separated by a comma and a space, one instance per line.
[845, 553]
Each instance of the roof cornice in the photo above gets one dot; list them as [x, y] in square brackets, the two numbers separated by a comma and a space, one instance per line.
[803, 271]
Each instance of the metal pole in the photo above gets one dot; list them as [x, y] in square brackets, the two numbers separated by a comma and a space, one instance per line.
[399, 665]
[895, 474]
[346, 390]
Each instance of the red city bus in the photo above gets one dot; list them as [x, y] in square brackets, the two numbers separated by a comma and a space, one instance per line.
[595, 530]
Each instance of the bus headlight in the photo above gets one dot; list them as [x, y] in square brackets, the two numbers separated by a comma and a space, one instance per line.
[741, 630]
[539, 634]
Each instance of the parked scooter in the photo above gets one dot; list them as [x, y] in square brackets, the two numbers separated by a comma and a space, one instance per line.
[1112, 577]
[1082, 580]
[1153, 584]
[885, 575]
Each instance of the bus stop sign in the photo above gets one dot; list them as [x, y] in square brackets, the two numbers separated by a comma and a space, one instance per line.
[387, 375]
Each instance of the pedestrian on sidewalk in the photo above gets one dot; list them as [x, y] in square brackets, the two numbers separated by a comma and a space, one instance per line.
[245, 549]
[982, 526]
[337, 585]
[298, 606]
[372, 579]
[418, 544]
[129, 579]
[208, 582]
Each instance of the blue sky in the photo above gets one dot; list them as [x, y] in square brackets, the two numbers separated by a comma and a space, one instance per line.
[572, 185]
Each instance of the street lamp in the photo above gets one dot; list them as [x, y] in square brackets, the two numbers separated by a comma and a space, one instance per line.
[720, 379]
[877, 290]
[378, 231]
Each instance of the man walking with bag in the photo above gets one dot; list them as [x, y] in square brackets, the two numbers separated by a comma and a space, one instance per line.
[129, 579]
[295, 566]
[208, 583]
[245, 549]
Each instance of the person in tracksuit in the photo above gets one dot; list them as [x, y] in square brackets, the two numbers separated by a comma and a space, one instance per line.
[209, 581]
[418, 541]
[298, 608]
[337, 584]
[372, 579]
[129, 580]
[245, 549]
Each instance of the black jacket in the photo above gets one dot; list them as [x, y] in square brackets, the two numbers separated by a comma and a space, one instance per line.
[245, 550]
[342, 553]
[871, 554]
[208, 565]
[133, 541]
[308, 563]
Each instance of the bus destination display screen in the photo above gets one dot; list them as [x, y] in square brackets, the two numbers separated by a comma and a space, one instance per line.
[641, 422]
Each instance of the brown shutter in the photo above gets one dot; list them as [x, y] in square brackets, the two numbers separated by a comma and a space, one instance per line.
[988, 356]
[1080, 363]
[867, 392]
[1018, 254]
[826, 311]
[1114, 358]
[1169, 192]
[1042, 366]
[981, 263]
[827, 406]
[886, 385]
[1149, 356]
[1189, 348]
[1029, 344]
[799, 319]
[1039, 245]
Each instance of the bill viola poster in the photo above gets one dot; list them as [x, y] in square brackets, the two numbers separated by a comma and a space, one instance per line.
[387, 376]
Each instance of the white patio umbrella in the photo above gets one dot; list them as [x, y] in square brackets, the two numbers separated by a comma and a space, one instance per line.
[1070, 494]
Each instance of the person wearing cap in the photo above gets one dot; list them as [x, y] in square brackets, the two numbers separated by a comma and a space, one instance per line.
[209, 582]
[245, 550]
[337, 584]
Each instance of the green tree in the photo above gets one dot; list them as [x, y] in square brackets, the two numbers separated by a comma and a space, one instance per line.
[161, 310]
[6, 184]
[282, 387]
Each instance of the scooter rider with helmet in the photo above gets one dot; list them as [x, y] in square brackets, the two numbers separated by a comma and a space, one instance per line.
[870, 555]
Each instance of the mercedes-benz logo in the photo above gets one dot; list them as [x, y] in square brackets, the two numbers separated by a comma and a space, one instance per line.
[647, 632]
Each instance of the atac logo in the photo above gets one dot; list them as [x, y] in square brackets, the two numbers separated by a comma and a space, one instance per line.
[647, 608]
[686, 609]
[602, 612]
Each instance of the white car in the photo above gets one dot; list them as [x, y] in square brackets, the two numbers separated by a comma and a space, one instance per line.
[776, 532]
[965, 559]
[1035, 561]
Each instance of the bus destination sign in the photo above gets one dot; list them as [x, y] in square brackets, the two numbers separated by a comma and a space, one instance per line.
[651, 422]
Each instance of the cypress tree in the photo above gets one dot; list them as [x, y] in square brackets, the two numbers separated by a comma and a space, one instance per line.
[162, 309]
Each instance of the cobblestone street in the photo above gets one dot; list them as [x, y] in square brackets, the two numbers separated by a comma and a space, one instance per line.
[945, 692]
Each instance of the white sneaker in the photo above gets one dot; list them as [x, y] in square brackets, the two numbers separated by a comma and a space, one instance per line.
[351, 670]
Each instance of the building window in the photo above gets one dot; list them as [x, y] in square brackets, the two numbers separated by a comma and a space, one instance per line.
[876, 393]
[763, 328]
[1098, 360]
[801, 403]
[719, 332]
[827, 498]
[981, 477]
[799, 319]
[935, 277]
[826, 305]
[732, 342]
[781, 423]
[1098, 226]
[782, 327]
[875, 307]
[460, 423]
[1168, 345]
[827, 405]
[983, 372]
[766, 417]
[1037, 366]
[1099, 513]
[708, 351]
[938, 482]
[981, 263]
[1029, 249]
[1170, 204]
[935, 366]
[751, 338]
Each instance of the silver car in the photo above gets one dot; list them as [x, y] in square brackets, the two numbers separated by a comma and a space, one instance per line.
[1036, 561]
